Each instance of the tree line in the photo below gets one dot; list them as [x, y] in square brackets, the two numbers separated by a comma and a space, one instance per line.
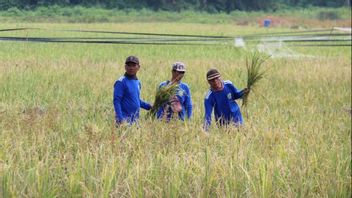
[211, 6]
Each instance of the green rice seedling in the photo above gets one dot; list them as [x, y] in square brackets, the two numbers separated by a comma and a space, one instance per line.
[254, 72]
[162, 96]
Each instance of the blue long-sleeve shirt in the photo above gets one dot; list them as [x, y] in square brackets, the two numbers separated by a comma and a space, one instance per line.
[183, 94]
[127, 102]
[226, 110]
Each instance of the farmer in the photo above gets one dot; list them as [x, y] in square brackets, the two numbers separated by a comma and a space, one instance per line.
[179, 105]
[127, 88]
[221, 97]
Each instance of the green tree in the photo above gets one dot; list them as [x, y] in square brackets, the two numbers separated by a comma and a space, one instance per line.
[177, 5]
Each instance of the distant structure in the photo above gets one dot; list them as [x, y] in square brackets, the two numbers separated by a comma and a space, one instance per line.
[343, 29]
[239, 42]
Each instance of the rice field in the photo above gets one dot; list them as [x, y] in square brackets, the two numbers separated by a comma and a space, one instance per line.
[57, 134]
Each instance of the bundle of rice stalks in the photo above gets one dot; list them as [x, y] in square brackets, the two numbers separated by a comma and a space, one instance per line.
[162, 96]
[254, 72]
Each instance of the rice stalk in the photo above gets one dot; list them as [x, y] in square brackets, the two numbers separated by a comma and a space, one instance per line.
[162, 96]
[254, 73]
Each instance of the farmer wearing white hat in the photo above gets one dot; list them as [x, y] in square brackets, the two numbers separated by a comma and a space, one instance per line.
[181, 103]
[221, 97]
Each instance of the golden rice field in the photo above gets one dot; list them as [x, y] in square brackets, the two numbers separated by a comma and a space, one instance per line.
[57, 137]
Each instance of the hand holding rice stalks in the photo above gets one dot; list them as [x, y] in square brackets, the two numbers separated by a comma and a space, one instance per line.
[162, 96]
[254, 74]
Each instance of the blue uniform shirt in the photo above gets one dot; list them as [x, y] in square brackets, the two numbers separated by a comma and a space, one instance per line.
[184, 96]
[225, 107]
[127, 100]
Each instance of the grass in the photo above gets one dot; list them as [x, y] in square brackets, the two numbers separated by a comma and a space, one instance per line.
[57, 134]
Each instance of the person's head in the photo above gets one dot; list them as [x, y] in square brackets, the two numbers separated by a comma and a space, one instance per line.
[214, 80]
[132, 65]
[178, 71]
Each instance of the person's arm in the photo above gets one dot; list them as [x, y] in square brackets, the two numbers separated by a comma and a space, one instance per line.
[142, 103]
[145, 105]
[236, 93]
[188, 103]
[208, 109]
[118, 94]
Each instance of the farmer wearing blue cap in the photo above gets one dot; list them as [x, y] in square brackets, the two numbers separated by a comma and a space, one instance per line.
[179, 105]
[127, 102]
[221, 97]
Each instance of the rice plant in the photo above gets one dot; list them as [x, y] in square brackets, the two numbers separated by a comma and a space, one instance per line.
[162, 96]
[57, 137]
[254, 64]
